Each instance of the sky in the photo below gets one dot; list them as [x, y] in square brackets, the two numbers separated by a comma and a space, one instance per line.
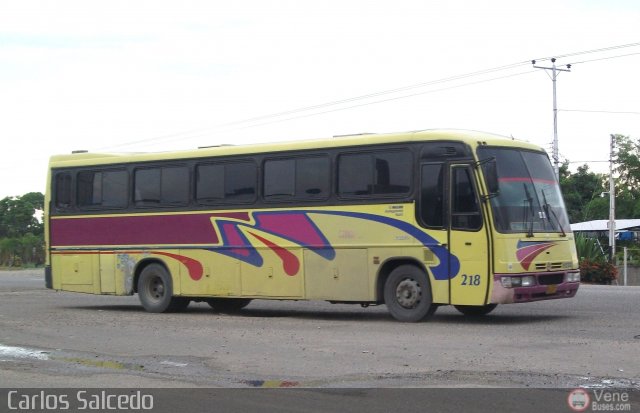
[136, 75]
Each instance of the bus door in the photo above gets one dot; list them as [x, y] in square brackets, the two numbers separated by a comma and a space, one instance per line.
[468, 239]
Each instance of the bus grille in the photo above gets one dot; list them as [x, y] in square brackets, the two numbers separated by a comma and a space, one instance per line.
[547, 279]
[549, 266]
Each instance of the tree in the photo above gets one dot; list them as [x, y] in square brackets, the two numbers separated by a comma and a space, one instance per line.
[8, 251]
[17, 215]
[581, 192]
[628, 181]
[597, 208]
[21, 234]
[31, 249]
[35, 199]
[582, 189]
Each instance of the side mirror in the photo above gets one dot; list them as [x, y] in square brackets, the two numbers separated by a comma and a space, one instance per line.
[490, 170]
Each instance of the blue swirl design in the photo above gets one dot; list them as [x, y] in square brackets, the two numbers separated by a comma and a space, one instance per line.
[236, 245]
[449, 263]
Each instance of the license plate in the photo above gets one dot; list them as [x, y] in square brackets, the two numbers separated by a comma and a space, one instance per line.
[552, 289]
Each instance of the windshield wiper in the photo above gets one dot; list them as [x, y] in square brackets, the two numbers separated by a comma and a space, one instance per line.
[547, 208]
[529, 207]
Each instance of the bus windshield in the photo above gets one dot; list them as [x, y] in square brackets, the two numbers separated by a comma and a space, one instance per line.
[529, 199]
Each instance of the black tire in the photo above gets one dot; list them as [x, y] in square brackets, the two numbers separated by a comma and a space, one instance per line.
[179, 304]
[476, 310]
[155, 291]
[228, 305]
[407, 294]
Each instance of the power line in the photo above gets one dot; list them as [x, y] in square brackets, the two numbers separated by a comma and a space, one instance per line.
[600, 111]
[182, 135]
[386, 100]
[384, 92]
[603, 49]
[606, 58]
[192, 133]
[188, 134]
[375, 102]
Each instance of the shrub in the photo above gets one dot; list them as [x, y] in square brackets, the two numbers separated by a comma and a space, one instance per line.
[598, 272]
[594, 266]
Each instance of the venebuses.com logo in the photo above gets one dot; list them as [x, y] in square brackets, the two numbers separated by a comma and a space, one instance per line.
[581, 400]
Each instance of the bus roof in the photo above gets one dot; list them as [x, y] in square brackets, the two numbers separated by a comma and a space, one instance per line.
[472, 138]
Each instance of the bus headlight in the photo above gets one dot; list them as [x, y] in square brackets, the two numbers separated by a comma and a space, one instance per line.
[511, 282]
[506, 282]
[572, 277]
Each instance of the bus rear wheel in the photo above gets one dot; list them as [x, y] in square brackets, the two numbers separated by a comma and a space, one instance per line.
[156, 291]
[476, 310]
[228, 305]
[407, 294]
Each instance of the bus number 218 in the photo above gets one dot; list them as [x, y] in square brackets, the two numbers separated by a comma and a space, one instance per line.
[470, 279]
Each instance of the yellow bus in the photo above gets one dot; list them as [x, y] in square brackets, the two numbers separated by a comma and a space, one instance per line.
[410, 220]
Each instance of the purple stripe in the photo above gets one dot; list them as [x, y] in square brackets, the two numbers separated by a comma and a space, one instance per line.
[133, 230]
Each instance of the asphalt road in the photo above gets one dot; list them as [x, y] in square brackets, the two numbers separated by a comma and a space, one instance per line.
[57, 339]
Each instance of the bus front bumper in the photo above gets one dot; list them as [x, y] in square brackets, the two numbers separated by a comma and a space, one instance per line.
[544, 286]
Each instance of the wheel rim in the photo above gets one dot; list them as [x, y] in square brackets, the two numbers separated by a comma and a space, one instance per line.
[408, 293]
[155, 288]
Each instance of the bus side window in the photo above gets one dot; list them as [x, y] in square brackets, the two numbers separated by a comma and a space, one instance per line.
[354, 174]
[164, 186]
[432, 195]
[393, 172]
[375, 173]
[226, 183]
[279, 178]
[102, 189]
[304, 178]
[240, 182]
[63, 191]
[147, 187]
[313, 177]
[175, 185]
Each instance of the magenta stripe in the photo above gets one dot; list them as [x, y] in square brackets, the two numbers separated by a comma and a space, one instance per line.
[133, 230]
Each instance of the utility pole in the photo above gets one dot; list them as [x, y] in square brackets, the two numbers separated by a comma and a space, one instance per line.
[612, 203]
[554, 75]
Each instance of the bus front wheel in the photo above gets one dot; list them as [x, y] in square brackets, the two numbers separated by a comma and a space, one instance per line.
[407, 294]
[475, 310]
[156, 292]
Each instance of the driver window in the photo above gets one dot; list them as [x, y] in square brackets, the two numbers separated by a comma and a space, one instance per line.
[465, 211]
